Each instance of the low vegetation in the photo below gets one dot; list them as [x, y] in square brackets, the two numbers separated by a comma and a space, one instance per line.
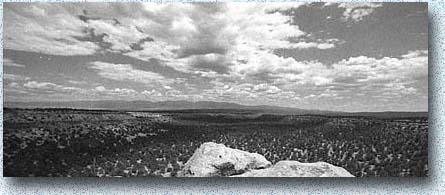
[64, 142]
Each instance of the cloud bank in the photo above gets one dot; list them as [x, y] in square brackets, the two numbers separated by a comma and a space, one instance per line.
[219, 51]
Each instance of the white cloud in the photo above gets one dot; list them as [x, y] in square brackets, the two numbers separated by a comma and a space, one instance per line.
[232, 31]
[77, 82]
[281, 69]
[356, 75]
[10, 63]
[397, 75]
[187, 37]
[13, 87]
[305, 45]
[231, 47]
[44, 87]
[357, 11]
[13, 77]
[40, 85]
[213, 37]
[44, 28]
[372, 69]
[416, 54]
[151, 93]
[269, 89]
[262, 93]
[259, 26]
[125, 72]
[115, 91]
[167, 87]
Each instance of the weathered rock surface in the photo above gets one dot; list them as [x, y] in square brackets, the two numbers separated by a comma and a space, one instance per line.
[213, 160]
[298, 169]
[216, 160]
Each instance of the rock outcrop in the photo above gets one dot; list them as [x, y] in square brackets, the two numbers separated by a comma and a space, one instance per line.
[216, 160]
[298, 169]
[213, 160]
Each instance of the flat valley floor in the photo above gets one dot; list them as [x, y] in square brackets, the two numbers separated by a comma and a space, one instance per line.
[68, 142]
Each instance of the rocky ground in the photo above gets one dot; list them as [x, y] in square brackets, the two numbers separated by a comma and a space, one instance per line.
[94, 143]
[216, 160]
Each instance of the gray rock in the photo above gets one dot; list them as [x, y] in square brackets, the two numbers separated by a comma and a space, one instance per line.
[216, 160]
[298, 169]
[213, 160]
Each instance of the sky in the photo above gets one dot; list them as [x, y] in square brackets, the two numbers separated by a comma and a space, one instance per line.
[328, 56]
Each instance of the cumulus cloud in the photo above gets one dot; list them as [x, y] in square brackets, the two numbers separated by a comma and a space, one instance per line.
[44, 28]
[151, 93]
[45, 87]
[201, 37]
[116, 91]
[171, 33]
[126, 72]
[49, 90]
[52, 90]
[39, 85]
[357, 11]
[395, 75]
[356, 75]
[262, 93]
[366, 69]
[13, 77]
[261, 26]
[321, 95]
[267, 66]
[416, 54]
[229, 49]
[10, 63]
[305, 45]
[213, 38]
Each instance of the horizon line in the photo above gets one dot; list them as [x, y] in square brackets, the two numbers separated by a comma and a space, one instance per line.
[62, 101]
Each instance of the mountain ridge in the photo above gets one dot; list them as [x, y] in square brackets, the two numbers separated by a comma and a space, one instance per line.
[117, 104]
[143, 105]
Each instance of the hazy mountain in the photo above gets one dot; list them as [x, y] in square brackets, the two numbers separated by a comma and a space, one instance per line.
[148, 105]
[200, 105]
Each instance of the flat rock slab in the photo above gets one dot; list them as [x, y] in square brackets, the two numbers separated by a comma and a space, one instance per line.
[216, 160]
[213, 160]
[298, 169]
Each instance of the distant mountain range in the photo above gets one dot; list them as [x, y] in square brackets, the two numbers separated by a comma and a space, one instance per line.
[200, 105]
[145, 105]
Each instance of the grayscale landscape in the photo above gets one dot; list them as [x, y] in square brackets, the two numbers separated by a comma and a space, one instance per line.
[215, 90]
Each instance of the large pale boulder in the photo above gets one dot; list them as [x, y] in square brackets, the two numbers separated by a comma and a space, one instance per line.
[213, 160]
[298, 169]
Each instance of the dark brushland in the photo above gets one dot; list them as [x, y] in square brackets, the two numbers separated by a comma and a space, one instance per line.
[206, 106]
[119, 138]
